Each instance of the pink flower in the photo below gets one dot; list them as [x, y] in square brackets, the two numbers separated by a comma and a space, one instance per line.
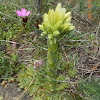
[22, 13]
[38, 64]
[41, 62]
[34, 67]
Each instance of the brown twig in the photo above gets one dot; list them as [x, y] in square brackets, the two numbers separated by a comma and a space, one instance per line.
[25, 90]
[65, 54]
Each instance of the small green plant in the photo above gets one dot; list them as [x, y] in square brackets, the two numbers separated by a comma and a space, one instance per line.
[8, 65]
[35, 80]
[55, 25]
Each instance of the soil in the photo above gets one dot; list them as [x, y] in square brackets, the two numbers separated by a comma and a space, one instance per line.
[12, 92]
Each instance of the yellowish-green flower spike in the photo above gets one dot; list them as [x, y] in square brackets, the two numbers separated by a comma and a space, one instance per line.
[56, 22]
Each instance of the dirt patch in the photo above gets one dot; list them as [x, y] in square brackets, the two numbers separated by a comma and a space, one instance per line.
[12, 92]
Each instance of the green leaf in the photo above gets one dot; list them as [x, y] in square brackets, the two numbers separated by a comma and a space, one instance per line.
[58, 9]
[71, 35]
[45, 26]
[50, 36]
[70, 28]
[68, 20]
[43, 33]
[50, 29]
[67, 15]
[72, 72]
[57, 25]
[65, 26]
[45, 17]
[56, 33]
[51, 17]
[79, 36]
[50, 57]
[52, 45]
[41, 27]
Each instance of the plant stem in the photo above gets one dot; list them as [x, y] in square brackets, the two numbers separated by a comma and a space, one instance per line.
[52, 56]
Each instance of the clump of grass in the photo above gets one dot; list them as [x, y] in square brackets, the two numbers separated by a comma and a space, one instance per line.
[90, 89]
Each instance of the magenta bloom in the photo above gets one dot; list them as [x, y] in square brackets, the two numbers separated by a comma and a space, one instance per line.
[34, 67]
[38, 64]
[41, 62]
[22, 13]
